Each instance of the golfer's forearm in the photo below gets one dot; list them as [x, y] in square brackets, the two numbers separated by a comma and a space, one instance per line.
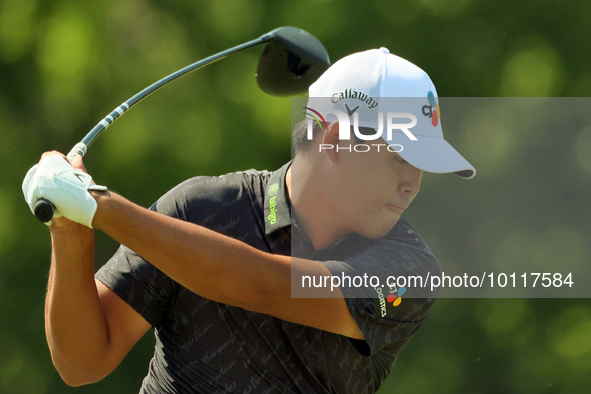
[210, 264]
[223, 269]
[75, 325]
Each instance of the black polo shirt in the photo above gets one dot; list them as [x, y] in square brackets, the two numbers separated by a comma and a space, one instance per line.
[204, 346]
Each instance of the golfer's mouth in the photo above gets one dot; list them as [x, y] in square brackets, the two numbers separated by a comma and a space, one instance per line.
[395, 208]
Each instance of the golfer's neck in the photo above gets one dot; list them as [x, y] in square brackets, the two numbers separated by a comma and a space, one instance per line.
[313, 216]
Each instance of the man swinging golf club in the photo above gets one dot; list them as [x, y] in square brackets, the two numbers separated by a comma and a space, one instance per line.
[212, 264]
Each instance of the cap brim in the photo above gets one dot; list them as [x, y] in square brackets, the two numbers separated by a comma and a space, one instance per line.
[433, 154]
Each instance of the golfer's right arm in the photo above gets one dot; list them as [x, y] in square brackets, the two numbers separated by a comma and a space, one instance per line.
[89, 328]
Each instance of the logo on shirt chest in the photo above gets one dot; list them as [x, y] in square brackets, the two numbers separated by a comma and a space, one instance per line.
[272, 191]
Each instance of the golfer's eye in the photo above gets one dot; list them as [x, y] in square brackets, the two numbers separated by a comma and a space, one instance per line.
[399, 159]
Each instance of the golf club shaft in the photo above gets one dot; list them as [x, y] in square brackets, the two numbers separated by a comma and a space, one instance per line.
[43, 208]
[117, 112]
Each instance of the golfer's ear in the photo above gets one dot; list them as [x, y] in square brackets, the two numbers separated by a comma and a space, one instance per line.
[331, 138]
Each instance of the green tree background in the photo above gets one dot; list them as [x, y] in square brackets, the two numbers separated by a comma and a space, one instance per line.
[64, 65]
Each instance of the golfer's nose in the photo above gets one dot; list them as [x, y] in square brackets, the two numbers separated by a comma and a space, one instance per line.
[411, 182]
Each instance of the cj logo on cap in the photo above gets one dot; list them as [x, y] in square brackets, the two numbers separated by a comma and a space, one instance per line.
[428, 110]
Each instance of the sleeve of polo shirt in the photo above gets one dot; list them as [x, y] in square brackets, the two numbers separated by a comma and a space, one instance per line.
[137, 282]
[382, 319]
[141, 285]
[144, 287]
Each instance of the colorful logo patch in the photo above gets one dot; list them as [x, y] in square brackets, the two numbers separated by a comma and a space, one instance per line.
[396, 299]
[432, 110]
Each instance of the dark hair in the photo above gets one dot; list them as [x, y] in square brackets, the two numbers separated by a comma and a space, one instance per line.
[300, 141]
[299, 137]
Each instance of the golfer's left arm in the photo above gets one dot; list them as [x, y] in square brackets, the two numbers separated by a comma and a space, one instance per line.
[221, 268]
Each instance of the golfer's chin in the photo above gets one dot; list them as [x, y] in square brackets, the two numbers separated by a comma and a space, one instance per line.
[380, 228]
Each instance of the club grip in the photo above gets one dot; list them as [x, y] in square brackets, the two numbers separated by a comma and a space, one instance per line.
[44, 210]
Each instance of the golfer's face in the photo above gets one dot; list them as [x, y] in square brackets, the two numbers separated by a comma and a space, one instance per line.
[383, 185]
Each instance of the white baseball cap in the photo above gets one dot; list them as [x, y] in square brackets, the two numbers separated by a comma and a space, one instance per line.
[368, 84]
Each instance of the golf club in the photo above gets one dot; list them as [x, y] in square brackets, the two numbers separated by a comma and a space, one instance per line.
[292, 60]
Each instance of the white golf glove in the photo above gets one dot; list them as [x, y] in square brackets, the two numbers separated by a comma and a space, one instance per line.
[55, 180]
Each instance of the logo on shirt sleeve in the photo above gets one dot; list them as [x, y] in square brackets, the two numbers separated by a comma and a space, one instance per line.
[396, 299]
[386, 304]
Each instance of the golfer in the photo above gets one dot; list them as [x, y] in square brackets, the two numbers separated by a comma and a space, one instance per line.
[212, 265]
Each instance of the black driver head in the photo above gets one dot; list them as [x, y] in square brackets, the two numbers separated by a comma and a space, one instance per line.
[291, 61]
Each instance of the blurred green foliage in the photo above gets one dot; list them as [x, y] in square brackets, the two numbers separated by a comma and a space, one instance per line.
[64, 65]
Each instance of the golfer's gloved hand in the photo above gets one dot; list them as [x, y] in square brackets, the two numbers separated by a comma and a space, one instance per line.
[55, 180]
